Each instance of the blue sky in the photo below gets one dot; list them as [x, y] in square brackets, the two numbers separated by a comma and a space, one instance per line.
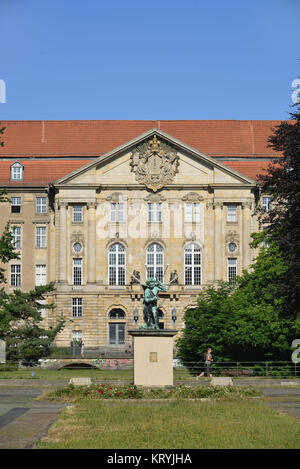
[130, 59]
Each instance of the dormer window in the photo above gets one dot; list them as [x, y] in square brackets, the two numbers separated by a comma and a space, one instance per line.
[16, 171]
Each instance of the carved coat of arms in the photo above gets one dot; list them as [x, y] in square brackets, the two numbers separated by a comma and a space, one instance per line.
[154, 163]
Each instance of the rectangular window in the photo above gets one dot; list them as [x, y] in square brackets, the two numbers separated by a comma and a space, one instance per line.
[266, 205]
[16, 205]
[116, 334]
[77, 335]
[77, 271]
[77, 307]
[41, 205]
[231, 213]
[40, 274]
[192, 212]
[41, 237]
[154, 212]
[15, 275]
[16, 234]
[77, 214]
[232, 270]
[17, 172]
[117, 212]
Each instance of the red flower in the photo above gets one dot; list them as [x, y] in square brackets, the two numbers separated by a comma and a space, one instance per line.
[119, 392]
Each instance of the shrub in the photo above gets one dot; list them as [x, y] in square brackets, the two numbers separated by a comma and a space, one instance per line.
[109, 391]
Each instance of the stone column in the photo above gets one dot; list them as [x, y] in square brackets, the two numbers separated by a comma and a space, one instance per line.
[246, 257]
[91, 248]
[208, 267]
[219, 248]
[51, 249]
[62, 276]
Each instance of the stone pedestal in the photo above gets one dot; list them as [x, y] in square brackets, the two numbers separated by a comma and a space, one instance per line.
[153, 356]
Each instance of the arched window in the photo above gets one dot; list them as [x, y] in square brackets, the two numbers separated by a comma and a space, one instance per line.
[160, 315]
[155, 261]
[116, 264]
[117, 329]
[192, 264]
[116, 313]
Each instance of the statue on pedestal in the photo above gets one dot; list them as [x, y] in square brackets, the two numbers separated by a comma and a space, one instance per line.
[135, 278]
[174, 277]
[152, 287]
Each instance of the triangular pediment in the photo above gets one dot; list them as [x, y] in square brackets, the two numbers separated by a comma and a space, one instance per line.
[154, 160]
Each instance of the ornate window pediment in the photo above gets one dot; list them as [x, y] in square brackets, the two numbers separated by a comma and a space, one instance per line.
[154, 163]
[192, 197]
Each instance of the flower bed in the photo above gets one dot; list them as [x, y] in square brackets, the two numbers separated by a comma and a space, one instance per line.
[110, 391]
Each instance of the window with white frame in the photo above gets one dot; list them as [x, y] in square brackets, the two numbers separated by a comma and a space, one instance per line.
[116, 333]
[76, 307]
[231, 213]
[232, 269]
[76, 335]
[117, 212]
[192, 264]
[41, 205]
[116, 264]
[15, 275]
[40, 274]
[192, 213]
[16, 232]
[41, 237]
[16, 203]
[77, 271]
[266, 204]
[155, 212]
[77, 213]
[155, 261]
[16, 172]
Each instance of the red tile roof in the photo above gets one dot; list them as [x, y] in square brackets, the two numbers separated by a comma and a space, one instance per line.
[251, 169]
[92, 138]
[39, 172]
[28, 141]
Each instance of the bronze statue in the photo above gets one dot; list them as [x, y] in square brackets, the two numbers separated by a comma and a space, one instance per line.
[174, 277]
[135, 278]
[152, 287]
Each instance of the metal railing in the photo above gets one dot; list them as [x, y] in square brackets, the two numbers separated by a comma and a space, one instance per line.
[240, 369]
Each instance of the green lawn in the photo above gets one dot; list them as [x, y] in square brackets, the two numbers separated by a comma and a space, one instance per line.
[95, 374]
[246, 424]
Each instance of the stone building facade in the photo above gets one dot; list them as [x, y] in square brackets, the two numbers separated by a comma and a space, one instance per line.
[98, 225]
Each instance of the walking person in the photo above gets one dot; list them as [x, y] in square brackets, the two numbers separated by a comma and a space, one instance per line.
[207, 362]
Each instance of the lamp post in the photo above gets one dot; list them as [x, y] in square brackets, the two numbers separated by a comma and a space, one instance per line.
[174, 316]
[136, 315]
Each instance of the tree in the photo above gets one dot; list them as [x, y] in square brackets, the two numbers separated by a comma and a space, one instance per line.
[282, 183]
[1, 133]
[20, 312]
[20, 319]
[244, 322]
